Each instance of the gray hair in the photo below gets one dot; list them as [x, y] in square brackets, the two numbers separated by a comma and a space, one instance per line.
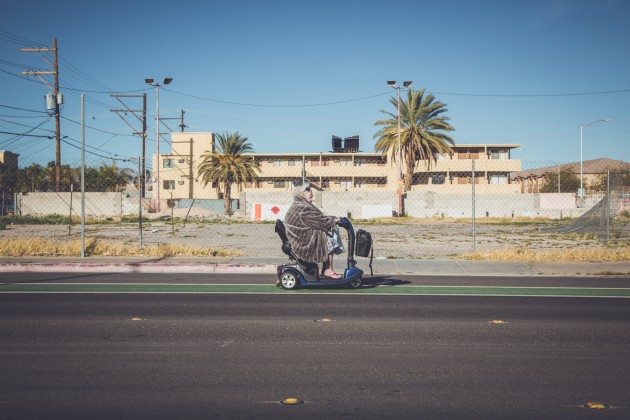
[299, 189]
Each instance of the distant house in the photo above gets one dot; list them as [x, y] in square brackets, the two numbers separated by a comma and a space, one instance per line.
[533, 180]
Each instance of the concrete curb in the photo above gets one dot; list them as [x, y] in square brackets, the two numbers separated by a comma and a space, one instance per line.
[462, 268]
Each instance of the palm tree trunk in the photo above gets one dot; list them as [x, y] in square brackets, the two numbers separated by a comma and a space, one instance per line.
[227, 197]
[409, 176]
[410, 163]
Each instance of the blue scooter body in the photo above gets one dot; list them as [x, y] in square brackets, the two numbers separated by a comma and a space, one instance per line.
[305, 274]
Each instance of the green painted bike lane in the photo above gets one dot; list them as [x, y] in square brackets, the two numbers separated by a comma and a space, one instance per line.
[263, 288]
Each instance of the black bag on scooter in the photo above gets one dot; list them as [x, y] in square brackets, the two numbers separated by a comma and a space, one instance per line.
[364, 243]
[364, 246]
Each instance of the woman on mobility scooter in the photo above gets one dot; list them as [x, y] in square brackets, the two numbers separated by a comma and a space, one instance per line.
[314, 237]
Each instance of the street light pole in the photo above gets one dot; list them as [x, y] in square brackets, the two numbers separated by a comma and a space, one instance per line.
[151, 82]
[582, 127]
[558, 177]
[392, 84]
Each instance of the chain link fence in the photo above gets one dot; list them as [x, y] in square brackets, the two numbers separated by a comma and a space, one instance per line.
[543, 205]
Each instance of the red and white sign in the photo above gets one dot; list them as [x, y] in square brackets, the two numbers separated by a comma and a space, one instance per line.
[269, 211]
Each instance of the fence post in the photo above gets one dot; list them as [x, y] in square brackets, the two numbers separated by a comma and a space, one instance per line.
[70, 221]
[608, 206]
[473, 208]
[82, 176]
[172, 206]
[140, 190]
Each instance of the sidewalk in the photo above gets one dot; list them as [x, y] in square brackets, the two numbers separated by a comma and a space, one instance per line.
[444, 267]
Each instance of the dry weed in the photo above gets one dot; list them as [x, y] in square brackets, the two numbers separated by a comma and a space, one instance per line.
[40, 247]
[561, 255]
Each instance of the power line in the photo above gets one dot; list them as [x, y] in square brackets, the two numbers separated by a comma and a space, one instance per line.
[274, 106]
[22, 109]
[96, 129]
[27, 135]
[605, 92]
[388, 93]
[16, 39]
[96, 154]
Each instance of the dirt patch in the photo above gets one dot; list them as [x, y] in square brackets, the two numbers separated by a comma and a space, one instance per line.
[400, 240]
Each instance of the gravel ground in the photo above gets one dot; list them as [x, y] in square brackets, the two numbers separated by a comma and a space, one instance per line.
[403, 240]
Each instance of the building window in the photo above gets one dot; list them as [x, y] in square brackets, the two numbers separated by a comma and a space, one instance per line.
[277, 162]
[345, 162]
[498, 179]
[168, 184]
[346, 184]
[182, 160]
[438, 179]
[168, 163]
[291, 162]
[180, 182]
[279, 184]
[498, 154]
[315, 162]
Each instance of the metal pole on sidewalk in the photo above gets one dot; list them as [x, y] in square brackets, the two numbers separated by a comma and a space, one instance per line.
[140, 178]
[82, 176]
[608, 206]
[473, 208]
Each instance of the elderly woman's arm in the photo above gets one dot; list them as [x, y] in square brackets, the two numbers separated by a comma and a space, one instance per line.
[313, 218]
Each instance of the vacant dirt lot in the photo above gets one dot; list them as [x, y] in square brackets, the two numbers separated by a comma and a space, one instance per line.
[393, 240]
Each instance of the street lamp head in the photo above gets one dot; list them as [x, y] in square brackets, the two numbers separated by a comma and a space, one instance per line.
[167, 80]
[391, 83]
[148, 81]
[407, 83]
[595, 122]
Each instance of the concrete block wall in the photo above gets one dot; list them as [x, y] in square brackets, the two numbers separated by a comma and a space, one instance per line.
[359, 205]
[66, 203]
[426, 204]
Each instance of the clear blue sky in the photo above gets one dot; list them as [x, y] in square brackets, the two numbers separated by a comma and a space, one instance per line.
[290, 74]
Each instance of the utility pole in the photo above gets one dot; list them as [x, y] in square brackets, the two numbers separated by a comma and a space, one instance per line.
[58, 101]
[141, 115]
[181, 125]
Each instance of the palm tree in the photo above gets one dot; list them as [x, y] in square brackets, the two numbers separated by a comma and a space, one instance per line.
[227, 165]
[32, 178]
[423, 130]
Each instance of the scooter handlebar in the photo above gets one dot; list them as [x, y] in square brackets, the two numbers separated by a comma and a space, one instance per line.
[344, 222]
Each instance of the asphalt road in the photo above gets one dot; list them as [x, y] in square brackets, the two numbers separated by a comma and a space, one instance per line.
[146, 355]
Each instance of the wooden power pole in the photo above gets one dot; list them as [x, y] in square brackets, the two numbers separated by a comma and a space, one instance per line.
[141, 115]
[58, 101]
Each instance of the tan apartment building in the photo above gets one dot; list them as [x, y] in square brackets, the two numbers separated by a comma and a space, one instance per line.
[337, 171]
[8, 161]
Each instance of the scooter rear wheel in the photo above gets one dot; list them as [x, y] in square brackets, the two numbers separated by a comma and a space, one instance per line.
[289, 281]
[356, 283]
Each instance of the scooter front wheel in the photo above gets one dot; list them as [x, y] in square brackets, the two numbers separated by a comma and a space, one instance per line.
[289, 280]
[356, 283]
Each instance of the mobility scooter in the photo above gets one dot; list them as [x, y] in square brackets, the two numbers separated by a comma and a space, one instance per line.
[306, 274]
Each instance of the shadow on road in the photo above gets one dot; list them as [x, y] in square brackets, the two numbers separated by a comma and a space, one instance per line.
[384, 281]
